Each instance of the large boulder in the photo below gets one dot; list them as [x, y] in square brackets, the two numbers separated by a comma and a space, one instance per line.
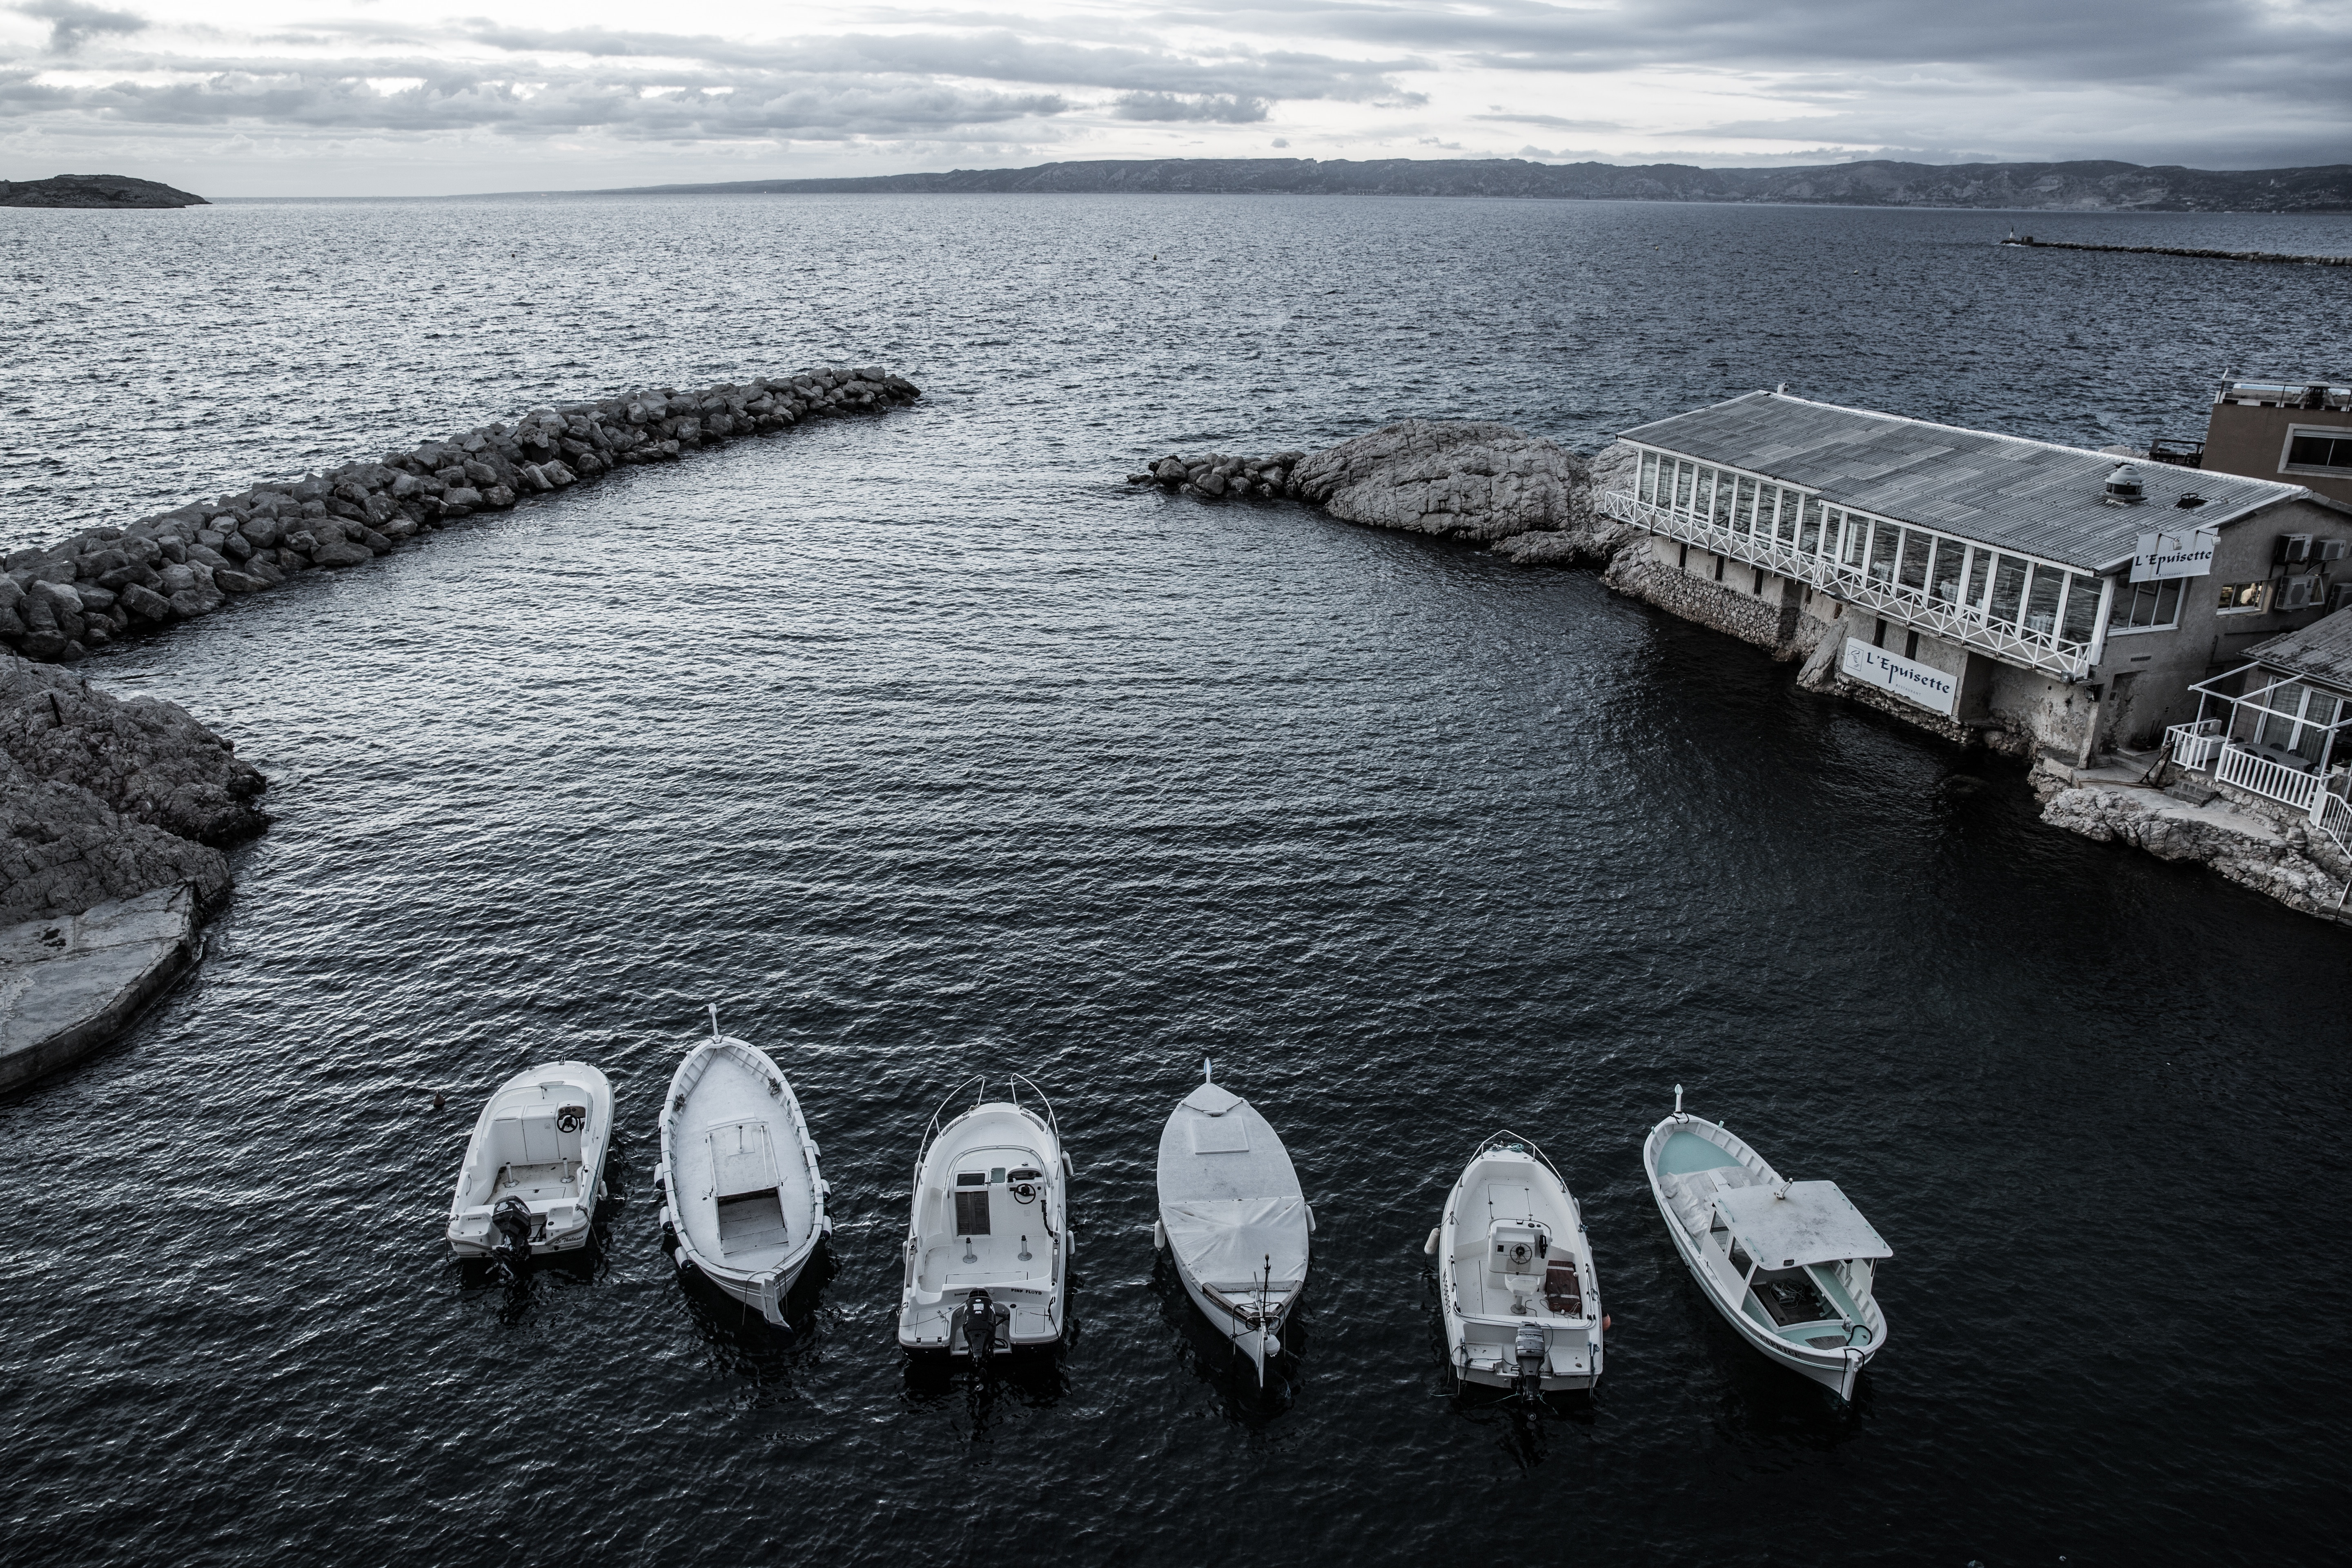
[1469, 479]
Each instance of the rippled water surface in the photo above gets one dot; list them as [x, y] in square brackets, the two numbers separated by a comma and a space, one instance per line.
[922, 745]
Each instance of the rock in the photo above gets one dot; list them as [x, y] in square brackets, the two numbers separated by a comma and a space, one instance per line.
[71, 982]
[341, 552]
[190, 603]
[1469, 479]
[560, 474]
[144, 602]
[499, 498]
[230, 581]
[461, 496]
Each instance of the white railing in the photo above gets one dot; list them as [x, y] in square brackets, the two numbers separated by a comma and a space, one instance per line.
[2271, 780]
[2195, 746]
[2045, 652]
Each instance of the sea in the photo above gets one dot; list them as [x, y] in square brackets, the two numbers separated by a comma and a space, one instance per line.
[925, 746]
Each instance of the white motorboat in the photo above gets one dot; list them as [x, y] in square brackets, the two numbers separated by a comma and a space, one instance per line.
[1791, 1265]
[1516, 1281]
[988, 1239]
[743, 1199]
[1233, 1214]
[534, 1167]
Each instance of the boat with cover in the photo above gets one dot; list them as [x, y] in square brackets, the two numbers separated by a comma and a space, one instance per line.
[1516, 1280]
[534, 1168]
[1791, 1265]
[988, 1238]
[743, 1200]
[1234, 1217]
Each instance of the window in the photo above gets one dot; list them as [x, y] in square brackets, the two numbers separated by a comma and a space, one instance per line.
[1724, 490]
[1784, 528]
[1915, 545]
[1685, 473]
[1648, 488]
[1745, 515]
[1883, 541]
[2082, 607]
[1852, 532]
[2149, 606]
[1980, 568]
[2243, 598]
[2320, 452]
[1810, 544]
[1944, 577]
[2041, 601]
[2007, 589]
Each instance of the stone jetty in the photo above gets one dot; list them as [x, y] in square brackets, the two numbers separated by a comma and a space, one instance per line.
[2027, 242]
[115, 814]
[58, 602]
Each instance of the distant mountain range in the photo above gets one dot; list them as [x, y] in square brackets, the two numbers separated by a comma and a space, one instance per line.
[94, 191]
[2085, 187]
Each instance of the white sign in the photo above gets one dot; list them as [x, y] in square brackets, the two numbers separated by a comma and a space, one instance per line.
[2188, 553]
[1932, 689]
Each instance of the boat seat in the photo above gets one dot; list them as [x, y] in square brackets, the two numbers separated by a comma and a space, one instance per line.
[1563, 1291]
[1693, 1192]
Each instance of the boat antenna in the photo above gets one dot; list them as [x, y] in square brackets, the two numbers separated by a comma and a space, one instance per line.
[714, 1018]
[1208, 1071]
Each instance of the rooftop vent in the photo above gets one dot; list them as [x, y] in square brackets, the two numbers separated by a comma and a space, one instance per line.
[2123, 485]
[2189, 501]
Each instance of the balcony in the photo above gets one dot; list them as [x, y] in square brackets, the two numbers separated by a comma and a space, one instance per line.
[2202, 748]
[1968, 625]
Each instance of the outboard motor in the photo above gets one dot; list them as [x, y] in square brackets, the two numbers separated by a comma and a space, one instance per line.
[978, 1326]
[1530, 1350]
[511, 1220]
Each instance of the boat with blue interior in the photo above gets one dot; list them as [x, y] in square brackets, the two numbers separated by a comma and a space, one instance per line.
[1792, 1266]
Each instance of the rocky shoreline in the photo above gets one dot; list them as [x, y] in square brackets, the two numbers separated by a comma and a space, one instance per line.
[1530, 501]
[116, 813]
[60, 601]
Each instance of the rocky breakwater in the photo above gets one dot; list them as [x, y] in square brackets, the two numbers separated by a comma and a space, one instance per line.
[1521, 496]
[114, 815]
[60, 601]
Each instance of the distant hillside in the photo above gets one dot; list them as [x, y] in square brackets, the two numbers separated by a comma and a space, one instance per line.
[94, 191]
[2089, 188]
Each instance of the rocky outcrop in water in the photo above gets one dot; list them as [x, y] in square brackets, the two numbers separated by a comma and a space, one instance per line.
[105, 798]
[56, 603]
[94, 191]
[2281, 857]
[1528, 498]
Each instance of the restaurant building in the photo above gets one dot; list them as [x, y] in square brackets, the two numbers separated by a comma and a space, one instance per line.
[2027, 594]
[2298, 431]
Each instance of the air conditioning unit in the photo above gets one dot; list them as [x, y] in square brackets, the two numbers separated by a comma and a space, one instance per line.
[2299, 593]
[2331, 549]
[2340, 596]
[2293, 547]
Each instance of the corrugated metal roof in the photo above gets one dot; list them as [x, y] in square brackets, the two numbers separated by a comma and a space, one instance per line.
[2321, 651]
[2030, 496]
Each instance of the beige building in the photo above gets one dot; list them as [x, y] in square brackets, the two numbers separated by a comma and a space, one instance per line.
[2298, 433]
[1984, 585]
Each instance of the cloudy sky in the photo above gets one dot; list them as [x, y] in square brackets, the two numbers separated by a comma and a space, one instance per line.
[397, 97]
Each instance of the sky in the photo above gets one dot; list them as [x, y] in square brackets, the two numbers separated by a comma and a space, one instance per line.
[261, 98]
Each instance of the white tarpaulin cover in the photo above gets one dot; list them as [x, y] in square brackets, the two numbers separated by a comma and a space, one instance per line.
[1225, 1242]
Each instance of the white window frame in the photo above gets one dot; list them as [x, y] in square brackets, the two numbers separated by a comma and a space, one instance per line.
[1968, 621]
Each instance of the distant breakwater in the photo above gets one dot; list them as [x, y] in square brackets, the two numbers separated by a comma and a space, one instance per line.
[2029, 243]
[60, 601]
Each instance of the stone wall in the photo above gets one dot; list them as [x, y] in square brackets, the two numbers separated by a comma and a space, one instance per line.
[56, 603]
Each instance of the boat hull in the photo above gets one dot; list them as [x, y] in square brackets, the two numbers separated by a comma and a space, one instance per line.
[564, 1208]
[1480, 1337]
[987, 1216]
[1258, 1346]
[732, 1133]
[1835, 1370]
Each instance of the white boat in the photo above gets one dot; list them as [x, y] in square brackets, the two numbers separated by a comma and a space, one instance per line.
[743, 1198]
[1516, 1280]
[1791, 1265]
[988, 1238]
[1232, 1214]
[535, 1166]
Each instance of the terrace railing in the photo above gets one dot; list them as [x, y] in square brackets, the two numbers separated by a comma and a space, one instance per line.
[2195, 746]
[2272, 780]
[1965, 625]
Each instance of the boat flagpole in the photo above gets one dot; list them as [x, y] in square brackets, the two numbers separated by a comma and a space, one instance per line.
[714, 1018]
[1208, 1071]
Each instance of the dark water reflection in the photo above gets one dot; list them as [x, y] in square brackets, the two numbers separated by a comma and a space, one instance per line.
[925, 747]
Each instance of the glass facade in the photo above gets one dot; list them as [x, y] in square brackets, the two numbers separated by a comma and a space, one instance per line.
[2033, 601]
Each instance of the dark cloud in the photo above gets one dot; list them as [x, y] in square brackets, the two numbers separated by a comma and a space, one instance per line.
[71, 22]
[1228, 111]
